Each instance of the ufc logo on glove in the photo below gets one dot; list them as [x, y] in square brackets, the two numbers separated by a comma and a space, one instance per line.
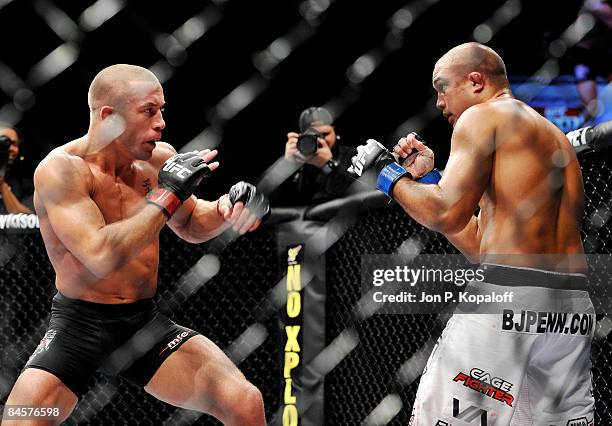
[363, 153]
[176, 169]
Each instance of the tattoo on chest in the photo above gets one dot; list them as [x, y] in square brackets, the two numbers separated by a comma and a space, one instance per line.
[147, 184]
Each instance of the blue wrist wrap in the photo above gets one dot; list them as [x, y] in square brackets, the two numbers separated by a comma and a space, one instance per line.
[432, 177]
[388, 176]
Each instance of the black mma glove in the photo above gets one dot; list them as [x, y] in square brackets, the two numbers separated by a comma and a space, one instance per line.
[374, 155]
[253, 200]
[177, 179]
[597, 137]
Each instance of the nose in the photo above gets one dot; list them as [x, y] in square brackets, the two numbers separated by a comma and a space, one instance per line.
[440, 104]
[160, 124]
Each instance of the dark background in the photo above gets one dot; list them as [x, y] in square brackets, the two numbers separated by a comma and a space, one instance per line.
[314, 73]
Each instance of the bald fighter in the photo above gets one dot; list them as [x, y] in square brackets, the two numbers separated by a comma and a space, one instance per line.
[524, 175]
[102, 200]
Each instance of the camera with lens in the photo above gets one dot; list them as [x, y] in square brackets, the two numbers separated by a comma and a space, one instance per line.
[307, 142]
[5, 144]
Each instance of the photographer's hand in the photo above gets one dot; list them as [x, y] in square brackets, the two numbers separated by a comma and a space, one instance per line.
[291, 151]
[321, 156]
[12, 204]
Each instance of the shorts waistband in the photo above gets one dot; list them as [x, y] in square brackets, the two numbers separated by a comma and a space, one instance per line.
[516, 276]
[109, 310]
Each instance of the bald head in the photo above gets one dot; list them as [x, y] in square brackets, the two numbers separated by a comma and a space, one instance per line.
[476, 57]
[115, 85]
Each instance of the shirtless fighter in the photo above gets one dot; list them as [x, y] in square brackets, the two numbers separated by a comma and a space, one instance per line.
[102, 200]
[522, 172]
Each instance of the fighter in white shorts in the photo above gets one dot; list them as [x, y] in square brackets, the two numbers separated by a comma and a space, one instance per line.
[522, 173]
[526, 364]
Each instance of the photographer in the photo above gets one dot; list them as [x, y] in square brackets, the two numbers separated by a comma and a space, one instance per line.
[14, 189]
[324, 161]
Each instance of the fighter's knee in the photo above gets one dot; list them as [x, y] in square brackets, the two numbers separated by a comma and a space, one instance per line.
[36, 387]
[249, 406]
[253, 396]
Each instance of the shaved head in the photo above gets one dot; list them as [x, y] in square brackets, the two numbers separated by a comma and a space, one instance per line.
[125, 105]
[115, 85]
[466, 75]
[470, 57]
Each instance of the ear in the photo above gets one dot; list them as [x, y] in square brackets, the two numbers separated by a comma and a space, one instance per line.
[477, 80]
[105, 111]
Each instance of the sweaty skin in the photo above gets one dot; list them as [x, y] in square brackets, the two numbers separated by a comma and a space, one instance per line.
[533, 201]
[118, 196]
[101, 236]
[508, 160]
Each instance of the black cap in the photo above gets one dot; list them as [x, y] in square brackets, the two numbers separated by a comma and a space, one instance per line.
[314, 115]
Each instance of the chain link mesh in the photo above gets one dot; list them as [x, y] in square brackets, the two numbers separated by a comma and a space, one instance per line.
[221, 310]
[390, 352]
[377, 367]
[68, 47]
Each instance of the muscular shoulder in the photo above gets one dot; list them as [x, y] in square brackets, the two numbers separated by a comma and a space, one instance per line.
[483, 123]
[62, 169]
[476, 127]
[492, 113]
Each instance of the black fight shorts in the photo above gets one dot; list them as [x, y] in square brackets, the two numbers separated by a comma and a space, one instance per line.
[126, 340]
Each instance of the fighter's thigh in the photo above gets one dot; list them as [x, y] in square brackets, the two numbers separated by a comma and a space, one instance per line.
[39, 388]
[475, 369]
[559, 379]
[198, 376]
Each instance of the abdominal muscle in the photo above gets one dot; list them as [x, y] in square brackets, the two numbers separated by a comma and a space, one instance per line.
[134, 281]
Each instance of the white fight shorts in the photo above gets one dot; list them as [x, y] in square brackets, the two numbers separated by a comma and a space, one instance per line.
[528, 363]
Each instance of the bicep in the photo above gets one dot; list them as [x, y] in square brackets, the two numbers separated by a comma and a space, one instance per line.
[75, 222]
[468, 169]
[73, 215]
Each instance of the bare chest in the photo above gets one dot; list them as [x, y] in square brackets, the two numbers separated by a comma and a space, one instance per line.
[120, 197]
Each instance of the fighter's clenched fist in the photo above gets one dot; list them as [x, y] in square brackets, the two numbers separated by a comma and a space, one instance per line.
[414, 155]
[178, 178]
